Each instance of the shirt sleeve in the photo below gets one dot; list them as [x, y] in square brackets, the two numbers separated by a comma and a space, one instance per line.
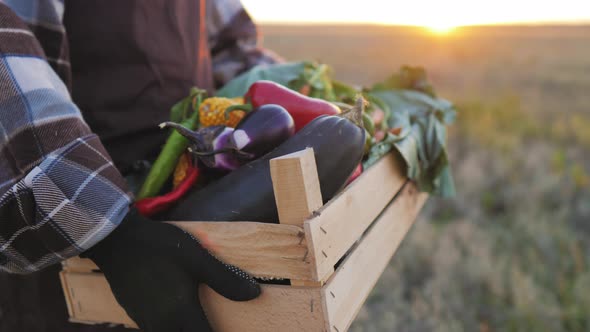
[59, 191]
[234, 41]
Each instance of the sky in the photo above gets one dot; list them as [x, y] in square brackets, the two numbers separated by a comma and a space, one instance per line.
[440, 14]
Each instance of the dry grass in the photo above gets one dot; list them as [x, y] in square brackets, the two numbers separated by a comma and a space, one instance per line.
[512, 251]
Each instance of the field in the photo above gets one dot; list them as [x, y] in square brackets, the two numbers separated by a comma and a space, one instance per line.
[511, 252]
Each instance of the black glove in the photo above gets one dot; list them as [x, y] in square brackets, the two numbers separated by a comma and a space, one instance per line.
[154, 270]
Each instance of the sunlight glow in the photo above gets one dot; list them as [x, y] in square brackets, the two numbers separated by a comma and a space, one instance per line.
[441, 28]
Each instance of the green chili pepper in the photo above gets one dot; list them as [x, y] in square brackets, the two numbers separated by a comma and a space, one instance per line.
[166, 161]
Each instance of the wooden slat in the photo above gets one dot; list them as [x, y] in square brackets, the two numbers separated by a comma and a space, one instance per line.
[91, 300]
[296, 186]
[67, 293]
[297, 193]
[342, 221]
[263, 250]
[77, 264]
[347, 290]
[279, 308]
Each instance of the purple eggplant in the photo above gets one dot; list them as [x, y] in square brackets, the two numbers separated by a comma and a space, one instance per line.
[210, 146]
[226, 149]
[262, 130]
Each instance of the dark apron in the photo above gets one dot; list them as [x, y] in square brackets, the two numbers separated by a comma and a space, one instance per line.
[131, 61]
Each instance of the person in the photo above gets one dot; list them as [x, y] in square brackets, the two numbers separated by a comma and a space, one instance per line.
[84, 85]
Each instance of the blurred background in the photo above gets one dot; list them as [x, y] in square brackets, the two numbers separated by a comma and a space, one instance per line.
[511, 252]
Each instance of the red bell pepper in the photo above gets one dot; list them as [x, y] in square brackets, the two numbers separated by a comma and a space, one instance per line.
[355, 174]
[152, 205]
[303, 109]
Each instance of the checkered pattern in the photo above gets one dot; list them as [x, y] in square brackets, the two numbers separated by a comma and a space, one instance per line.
[44, 20]
[234, 41]
[59, 191]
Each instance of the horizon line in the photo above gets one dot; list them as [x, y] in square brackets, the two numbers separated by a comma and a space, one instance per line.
[498, 24]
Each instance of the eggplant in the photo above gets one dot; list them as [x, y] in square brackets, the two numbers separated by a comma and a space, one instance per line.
[246, 194]
[226, 149]
[223, 161]
[209, 145]
[262, 130]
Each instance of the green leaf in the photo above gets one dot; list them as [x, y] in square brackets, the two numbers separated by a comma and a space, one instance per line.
[422, 141]
[179, 110]
[318, 77]
[183, 109]
[344, 92]
[294, 75]
[409, 103]
[279, 73]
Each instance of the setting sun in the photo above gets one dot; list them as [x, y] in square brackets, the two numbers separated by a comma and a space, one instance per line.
[440, 29]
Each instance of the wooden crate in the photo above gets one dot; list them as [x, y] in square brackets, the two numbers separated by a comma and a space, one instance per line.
[332, 254]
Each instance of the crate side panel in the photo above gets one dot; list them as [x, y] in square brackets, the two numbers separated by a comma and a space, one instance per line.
[91, 299]
[279, 308]
[341, 222]
[262, 250]
[347, 289]
[66, 290]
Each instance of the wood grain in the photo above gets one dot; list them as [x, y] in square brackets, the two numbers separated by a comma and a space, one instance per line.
[296, 186]
[263, 250]
[341, 222]
[347, 290]
[297, 193]
[78, 264]
[90, 299]
[279, 308]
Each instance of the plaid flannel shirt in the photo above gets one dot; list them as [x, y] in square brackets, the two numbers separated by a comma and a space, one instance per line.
[59, 191]
[234, 41]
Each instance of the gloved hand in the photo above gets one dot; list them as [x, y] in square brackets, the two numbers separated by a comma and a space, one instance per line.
[154, 270]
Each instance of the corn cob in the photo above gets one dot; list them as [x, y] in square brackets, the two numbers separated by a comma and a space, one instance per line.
[212, 112]
[181, 169]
